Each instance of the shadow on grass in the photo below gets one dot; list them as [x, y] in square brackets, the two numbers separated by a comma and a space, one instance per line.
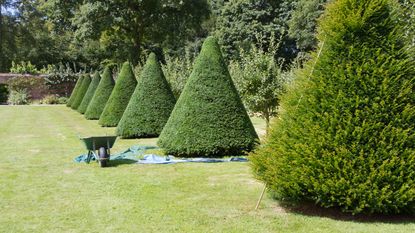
[116, 163]
[310, 209]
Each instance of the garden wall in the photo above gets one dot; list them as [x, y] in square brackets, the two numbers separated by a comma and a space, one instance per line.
[41, 89]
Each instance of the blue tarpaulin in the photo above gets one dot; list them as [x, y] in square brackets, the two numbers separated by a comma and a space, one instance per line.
[137, 153]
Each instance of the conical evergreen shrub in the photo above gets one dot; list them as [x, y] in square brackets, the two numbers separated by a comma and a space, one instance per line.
[101, 96]
[209, 119]
[89, 93]
[118, 101]
[345, 136]
[81, 92]
[75, 91]
[150, 105]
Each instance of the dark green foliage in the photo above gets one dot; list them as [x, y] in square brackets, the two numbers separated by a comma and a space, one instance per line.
[89, 93]
[128, 27]
[118, 101]
[209, 118]
[75, 91]
[4, 92]
[81, 92]
[150, 105]
[345, 136]
[304, 31]
[243, 23]
[101, 95]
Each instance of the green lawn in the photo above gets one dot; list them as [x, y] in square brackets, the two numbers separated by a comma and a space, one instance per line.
[43, 190]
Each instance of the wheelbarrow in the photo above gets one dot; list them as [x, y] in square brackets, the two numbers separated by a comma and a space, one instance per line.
[99, 148]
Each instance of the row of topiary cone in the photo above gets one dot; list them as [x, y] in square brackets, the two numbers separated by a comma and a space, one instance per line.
[208, 119]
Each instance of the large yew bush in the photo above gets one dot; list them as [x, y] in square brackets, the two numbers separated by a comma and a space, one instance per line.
[120, 95]
[89, 93]
[150, 105]
[101, 95]
[209, 118]
[75, 91]
[83, 88]
[345, 136]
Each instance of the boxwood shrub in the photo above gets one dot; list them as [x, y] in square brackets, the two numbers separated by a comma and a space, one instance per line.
[75, 91]
[150, 105]
[101, 95]
[89, 93]
[209, 119]
[81, 92]
[121, 94]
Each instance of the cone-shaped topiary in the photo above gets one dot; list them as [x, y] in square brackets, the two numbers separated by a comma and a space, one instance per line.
[118, 101]
[101, 95]
[75, 91]
[81, 92]
[345, 136]
[89, 93]
[209, 118]
[150, 105]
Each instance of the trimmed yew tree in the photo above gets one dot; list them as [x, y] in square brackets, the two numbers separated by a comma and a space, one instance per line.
[118, 100]
[209, 119]
[75, 91]
[101, 96]
[345, 136]
[89, 93]
[150, 105]
[81, 92]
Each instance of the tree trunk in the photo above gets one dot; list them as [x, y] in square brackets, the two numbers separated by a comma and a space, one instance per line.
[1, 37]
[137, 36]
[135, 53]
[267, 119]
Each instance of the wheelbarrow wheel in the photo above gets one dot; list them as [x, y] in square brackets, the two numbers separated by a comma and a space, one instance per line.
[103, 157]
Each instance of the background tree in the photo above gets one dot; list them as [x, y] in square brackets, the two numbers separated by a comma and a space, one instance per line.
[260, 81]
[128, 29]
[303, 23]
[242, 23]
[7, 27]
[177, 70]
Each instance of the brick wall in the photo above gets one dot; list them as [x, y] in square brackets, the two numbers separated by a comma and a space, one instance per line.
[62, 89]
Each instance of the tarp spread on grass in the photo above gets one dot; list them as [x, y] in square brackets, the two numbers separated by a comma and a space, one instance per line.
[137, 153]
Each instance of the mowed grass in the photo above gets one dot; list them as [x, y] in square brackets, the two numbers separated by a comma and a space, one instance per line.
[43, 190]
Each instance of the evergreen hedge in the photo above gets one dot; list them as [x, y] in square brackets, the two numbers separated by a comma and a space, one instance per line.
[118, 101]
[89, 93]
[345, 136]
[101, 96]
[209, 119]
[150, 105]
[81, 92]
[75, 91]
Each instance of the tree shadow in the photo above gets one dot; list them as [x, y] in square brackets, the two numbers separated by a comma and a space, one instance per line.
[120, 162]
[311, 209]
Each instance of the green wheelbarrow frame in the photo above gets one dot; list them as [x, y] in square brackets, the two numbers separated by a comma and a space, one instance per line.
[99, 148]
